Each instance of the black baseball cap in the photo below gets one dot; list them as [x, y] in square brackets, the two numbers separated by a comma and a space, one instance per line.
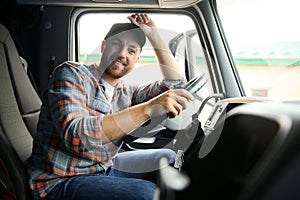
[125, 27]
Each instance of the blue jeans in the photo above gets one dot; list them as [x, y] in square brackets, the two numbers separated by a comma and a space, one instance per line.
[131, 177]
[142, 164]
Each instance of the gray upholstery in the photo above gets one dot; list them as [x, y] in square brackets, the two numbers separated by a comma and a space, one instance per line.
[10, 118]
[28, 100]
[19, 110]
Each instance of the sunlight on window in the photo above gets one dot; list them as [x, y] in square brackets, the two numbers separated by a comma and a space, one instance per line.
[264, 38]
[92, 28]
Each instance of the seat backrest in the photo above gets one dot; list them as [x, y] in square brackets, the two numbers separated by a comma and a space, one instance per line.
[27, 98]
[19, 110]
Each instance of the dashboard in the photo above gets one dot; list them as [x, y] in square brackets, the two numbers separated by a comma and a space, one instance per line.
[241, 144]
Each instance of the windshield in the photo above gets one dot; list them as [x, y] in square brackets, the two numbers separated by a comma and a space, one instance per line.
[264, 39]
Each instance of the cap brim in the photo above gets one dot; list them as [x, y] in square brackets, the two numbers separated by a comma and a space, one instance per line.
[127, 28]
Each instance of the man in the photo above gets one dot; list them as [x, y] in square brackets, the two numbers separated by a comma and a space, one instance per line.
[87, 111]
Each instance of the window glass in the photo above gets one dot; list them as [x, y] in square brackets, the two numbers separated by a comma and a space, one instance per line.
[94, 26]
[264, 39]
[181, 37]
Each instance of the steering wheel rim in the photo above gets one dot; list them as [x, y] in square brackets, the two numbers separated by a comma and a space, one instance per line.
[193, 86]
[185, 118]
[196, 83]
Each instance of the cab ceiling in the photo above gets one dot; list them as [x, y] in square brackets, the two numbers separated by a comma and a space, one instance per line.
[113, 3]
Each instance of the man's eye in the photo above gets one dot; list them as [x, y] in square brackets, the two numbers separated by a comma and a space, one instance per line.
[132, 51]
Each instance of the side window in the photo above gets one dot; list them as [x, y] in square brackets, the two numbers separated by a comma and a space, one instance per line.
[264, 39]
[181, 38]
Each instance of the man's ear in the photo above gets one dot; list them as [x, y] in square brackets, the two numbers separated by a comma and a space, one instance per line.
[139, 55]
[102, 46]
[137, 59]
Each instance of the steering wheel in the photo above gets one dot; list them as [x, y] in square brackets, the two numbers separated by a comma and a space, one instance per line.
[193, 86]
[196, 83]
[185, 117]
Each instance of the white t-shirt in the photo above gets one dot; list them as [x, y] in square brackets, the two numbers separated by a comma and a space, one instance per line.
[109, 90]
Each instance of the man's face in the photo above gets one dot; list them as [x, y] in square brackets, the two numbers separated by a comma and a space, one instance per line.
[120, 53]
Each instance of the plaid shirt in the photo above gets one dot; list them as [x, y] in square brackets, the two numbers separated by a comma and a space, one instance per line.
[69, 137]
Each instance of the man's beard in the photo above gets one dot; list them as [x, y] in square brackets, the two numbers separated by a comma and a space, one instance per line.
[113, 73]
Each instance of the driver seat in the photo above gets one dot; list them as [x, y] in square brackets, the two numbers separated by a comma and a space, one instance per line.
[19, 110]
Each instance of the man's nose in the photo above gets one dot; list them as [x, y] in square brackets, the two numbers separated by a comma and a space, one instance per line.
[122, 52]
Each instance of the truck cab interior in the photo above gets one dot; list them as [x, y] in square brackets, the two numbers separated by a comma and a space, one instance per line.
[236, 141]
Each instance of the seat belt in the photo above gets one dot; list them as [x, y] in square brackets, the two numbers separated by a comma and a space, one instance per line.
[29, 74]
[5, 183]
[51, 66]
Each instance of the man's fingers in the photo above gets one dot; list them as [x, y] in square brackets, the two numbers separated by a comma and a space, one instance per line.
[132, 20]
[184, 93]
[182, 101]
[139, 18]
[178, 102]
[144, 18]
[173, 102]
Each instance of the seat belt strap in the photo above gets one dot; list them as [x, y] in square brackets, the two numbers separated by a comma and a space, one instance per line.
[5, 182]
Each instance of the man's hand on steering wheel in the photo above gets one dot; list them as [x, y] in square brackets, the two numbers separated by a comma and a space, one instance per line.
[170, 103]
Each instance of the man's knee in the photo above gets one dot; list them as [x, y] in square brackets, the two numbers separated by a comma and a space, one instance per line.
[169, 154]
